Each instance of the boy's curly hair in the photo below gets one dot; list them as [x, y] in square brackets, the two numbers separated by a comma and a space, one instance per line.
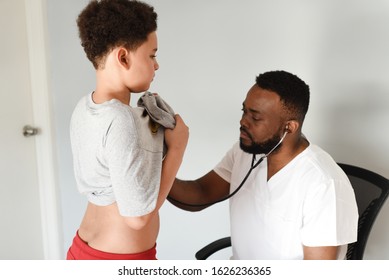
[106, 24]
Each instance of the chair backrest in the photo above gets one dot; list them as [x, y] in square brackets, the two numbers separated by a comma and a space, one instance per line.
[371, 190]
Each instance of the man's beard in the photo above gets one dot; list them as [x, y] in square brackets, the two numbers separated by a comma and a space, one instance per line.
[260, 148]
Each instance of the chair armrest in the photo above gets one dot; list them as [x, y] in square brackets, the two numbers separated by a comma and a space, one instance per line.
[213, 247]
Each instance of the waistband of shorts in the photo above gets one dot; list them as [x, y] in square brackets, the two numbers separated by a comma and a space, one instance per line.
[94, 254]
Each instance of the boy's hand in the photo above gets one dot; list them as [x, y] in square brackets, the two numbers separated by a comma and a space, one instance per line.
[177, 138]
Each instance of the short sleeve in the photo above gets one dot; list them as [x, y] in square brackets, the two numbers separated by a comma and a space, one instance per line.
[225, 166]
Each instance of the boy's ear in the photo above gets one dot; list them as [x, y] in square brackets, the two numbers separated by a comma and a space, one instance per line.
[123, 57]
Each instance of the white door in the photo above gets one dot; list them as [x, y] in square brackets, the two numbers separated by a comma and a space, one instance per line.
[22, 231]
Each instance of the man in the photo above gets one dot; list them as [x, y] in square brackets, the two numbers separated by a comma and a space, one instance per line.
[295, 204]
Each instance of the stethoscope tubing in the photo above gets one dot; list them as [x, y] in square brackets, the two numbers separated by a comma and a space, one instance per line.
[253, 165]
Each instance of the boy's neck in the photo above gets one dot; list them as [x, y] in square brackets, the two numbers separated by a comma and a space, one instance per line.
[101, 96]
[108, 87]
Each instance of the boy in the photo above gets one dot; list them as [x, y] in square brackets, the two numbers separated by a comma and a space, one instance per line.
[122, 176]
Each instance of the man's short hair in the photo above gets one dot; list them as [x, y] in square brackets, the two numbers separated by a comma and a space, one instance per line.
[293, 92]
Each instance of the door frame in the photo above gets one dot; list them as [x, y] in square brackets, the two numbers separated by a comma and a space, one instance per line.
[37, 38]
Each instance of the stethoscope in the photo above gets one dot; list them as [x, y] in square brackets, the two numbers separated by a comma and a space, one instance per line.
[253, 166]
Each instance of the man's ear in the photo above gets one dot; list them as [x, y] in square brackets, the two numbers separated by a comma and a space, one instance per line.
[292, 126]
[123, 57]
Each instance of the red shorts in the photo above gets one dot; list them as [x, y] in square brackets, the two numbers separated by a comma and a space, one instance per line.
[80, 250]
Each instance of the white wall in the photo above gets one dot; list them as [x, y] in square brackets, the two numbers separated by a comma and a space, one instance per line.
[209, 55]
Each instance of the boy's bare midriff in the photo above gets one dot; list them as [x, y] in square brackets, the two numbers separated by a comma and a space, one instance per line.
[104, 229]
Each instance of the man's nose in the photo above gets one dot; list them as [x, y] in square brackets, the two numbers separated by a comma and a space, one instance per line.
[244, 122]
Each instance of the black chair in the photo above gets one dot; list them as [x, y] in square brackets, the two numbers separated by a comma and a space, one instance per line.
[371, 191]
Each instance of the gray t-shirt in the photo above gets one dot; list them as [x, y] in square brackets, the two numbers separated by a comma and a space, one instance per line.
[116, 156]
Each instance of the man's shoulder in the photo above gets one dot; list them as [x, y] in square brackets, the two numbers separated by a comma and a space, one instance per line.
[321, 164]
